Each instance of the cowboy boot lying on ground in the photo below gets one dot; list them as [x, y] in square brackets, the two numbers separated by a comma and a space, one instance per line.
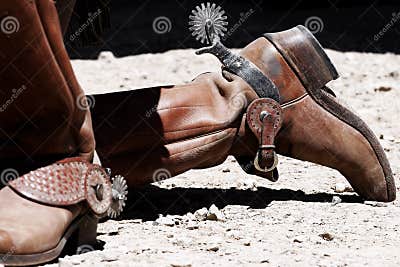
[160, 132]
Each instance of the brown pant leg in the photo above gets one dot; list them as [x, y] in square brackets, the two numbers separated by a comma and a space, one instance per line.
[41, 120]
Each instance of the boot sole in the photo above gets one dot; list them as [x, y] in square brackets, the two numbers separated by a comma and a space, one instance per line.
[314, 80]
[81, 228]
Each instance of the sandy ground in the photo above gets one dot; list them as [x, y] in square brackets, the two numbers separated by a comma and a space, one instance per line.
[292, 222]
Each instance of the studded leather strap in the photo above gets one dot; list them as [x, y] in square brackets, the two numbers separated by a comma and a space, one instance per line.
[264, 119]
[67, 182]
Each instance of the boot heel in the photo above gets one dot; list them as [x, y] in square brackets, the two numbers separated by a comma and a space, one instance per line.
[86, 234]
[305, 56]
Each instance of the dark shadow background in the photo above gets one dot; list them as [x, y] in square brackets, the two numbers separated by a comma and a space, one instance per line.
[348, 25]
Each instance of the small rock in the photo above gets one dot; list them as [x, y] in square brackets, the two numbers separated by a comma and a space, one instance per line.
[164, 221]
[326, 236]
[201, 214]
[394, 74]
[246, 243]
[375, 204]
[110, 256]
[226, 170]
[106, 55]
[213, 248]
[181, 265]
[383, 89]
[214, 214]
[190, 216]
[299, 239]
[340, 188]
[192, 226]
[76, 260]
[336, 200]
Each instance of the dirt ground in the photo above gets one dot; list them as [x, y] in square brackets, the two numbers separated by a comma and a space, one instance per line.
[296, 221]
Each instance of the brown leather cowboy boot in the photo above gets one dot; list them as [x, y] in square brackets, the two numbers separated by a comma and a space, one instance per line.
[316, 126]
[43, 120]
[155, 133]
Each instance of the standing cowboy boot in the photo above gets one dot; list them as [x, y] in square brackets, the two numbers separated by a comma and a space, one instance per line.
[42, 122]
[155, 133]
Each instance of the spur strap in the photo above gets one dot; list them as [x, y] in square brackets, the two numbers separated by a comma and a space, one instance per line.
[69, 182]
[264, 117]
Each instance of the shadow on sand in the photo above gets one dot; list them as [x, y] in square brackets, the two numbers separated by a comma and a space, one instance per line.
[151, 201]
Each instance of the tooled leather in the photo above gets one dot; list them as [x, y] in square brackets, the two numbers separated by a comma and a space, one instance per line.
[264, 117]
[65, 183]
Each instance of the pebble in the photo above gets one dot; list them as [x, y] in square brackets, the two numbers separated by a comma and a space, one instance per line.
[164, 221]
[192, 226]
[189, 217]
[375, 204]
[394, 74]
[383, 89]
[106, 56]
[336, 200]
[226, 170]
[111, 255]
[340, 188]
[180, 265]
[299, 239]
[214, 214]
[326, 236]
[201, 214]
[213, 248]
[76, 260]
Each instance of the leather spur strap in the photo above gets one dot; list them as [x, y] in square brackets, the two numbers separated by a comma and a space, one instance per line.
[69, 182]
[264, 117]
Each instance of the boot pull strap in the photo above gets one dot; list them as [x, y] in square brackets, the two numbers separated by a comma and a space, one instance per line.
[72, 181]
[264, 117]
[245, 69]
